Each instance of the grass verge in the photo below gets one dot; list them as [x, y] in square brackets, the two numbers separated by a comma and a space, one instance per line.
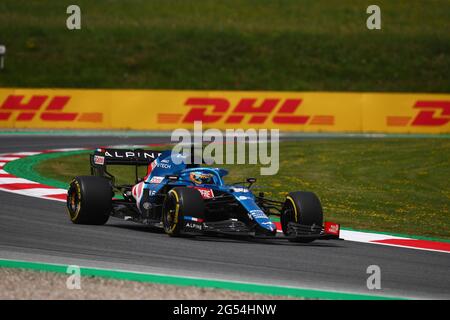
[237, 45]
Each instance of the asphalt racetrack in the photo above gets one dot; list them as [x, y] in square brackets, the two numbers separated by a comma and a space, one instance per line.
[39, 230]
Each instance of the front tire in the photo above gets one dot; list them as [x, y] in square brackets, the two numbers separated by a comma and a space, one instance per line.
[89, 200]
[304, 208]
[180, 202]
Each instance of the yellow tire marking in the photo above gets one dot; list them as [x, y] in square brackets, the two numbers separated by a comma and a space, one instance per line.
[295, 208]
[177, 208]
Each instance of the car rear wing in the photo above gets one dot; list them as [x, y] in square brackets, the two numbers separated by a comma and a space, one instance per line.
[124, 156]
[103, 157]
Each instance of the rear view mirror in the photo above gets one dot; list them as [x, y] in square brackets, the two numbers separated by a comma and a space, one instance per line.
[251, 180]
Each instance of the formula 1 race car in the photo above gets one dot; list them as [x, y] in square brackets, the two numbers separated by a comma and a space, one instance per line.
[190, 199]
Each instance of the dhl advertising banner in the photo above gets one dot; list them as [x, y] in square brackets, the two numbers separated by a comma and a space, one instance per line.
[167, 110]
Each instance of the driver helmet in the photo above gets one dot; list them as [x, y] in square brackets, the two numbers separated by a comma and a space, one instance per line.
[201, 178]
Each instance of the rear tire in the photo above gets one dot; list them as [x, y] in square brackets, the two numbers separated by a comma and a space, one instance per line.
[180, 202]
[301, 207]
[89, 200]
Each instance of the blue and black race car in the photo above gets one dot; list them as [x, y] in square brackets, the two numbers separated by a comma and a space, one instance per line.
[190, 199]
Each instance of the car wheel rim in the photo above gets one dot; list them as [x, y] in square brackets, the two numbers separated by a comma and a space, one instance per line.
[73, 202]
[170, 214]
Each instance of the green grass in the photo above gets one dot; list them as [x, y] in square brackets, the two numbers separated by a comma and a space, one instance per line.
[393, 185]
[248, 45]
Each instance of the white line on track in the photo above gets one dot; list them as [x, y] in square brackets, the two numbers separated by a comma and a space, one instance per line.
[15, 180]
[40, 192]
[7, 159]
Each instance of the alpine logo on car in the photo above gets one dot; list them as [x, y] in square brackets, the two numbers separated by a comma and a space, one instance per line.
[193, 226]
[130, 154]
